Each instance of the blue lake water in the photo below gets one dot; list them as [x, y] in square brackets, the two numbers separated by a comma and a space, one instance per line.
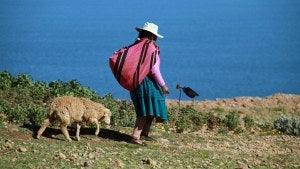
[221, 49]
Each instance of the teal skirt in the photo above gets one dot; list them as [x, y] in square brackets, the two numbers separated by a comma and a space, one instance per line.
[149, 100]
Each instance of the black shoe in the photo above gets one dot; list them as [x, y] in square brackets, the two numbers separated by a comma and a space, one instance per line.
[147, 138]
[138, 142]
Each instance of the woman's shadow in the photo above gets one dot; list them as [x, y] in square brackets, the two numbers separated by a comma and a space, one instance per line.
[104, 133]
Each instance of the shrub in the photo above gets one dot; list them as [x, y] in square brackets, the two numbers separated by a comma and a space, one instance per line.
[23, 81]
[57, 88]
[232, 120]
[198, 120]
[182, 123]
[4, 106]
[81, 91]
[17, 114]
[40, 91]
[109, 102]
[72, 88]
[36, 113]
[213, 120]
[123, 113]
[172, 115]
[265, 125]
[188, 119]
[288, 124]
[21, 113]
[249, 122]
[5, 80]
[23, 95]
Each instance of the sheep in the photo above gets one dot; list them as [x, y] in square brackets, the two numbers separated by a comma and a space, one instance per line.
[70, 109]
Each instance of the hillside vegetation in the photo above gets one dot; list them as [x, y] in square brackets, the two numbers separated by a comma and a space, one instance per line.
[223, 133]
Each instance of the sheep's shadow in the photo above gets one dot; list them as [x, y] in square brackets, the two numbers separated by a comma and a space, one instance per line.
[104, 133]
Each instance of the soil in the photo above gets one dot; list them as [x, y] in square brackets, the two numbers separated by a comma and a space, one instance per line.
[266, 108]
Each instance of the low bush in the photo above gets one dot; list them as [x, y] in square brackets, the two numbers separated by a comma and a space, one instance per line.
[232, 120]
[248, 121]
[265, 125]
[288, 124]
[17, 114]
[187, 118]
[123, 113]
[72, 88]
[36, 113]
[4, 106]
[22, 81]
[5, 80]
[40, 91]
[213, 120]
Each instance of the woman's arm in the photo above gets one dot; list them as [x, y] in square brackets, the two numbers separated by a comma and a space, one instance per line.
[156, 74]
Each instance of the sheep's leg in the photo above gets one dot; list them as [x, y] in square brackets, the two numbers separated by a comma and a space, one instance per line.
[78, 131]
[94, 120]
[64, 130]
[43, 127]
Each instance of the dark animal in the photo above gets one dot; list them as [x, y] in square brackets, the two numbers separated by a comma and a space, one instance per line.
[190, 92]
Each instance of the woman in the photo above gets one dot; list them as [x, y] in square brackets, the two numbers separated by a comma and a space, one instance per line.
[148, 98]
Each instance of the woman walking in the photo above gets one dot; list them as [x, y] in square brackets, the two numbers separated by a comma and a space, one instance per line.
[148, 97]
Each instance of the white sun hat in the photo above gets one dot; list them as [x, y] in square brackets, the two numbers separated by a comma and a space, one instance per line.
[150, 27]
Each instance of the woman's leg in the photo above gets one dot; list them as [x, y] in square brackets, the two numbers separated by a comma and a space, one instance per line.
[147, 126]
[138, 128]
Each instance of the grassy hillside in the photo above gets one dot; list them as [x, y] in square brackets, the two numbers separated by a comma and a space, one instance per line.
[224, 133]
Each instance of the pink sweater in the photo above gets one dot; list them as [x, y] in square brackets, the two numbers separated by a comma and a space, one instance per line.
[155, 73]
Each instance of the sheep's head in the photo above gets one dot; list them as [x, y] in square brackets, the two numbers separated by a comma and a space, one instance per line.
[107, 116]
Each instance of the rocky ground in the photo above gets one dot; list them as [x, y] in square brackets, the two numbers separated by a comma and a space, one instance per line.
[200, 149]
[110, 149]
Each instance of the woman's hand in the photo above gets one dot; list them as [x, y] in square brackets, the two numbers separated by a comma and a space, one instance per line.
[165, 89]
